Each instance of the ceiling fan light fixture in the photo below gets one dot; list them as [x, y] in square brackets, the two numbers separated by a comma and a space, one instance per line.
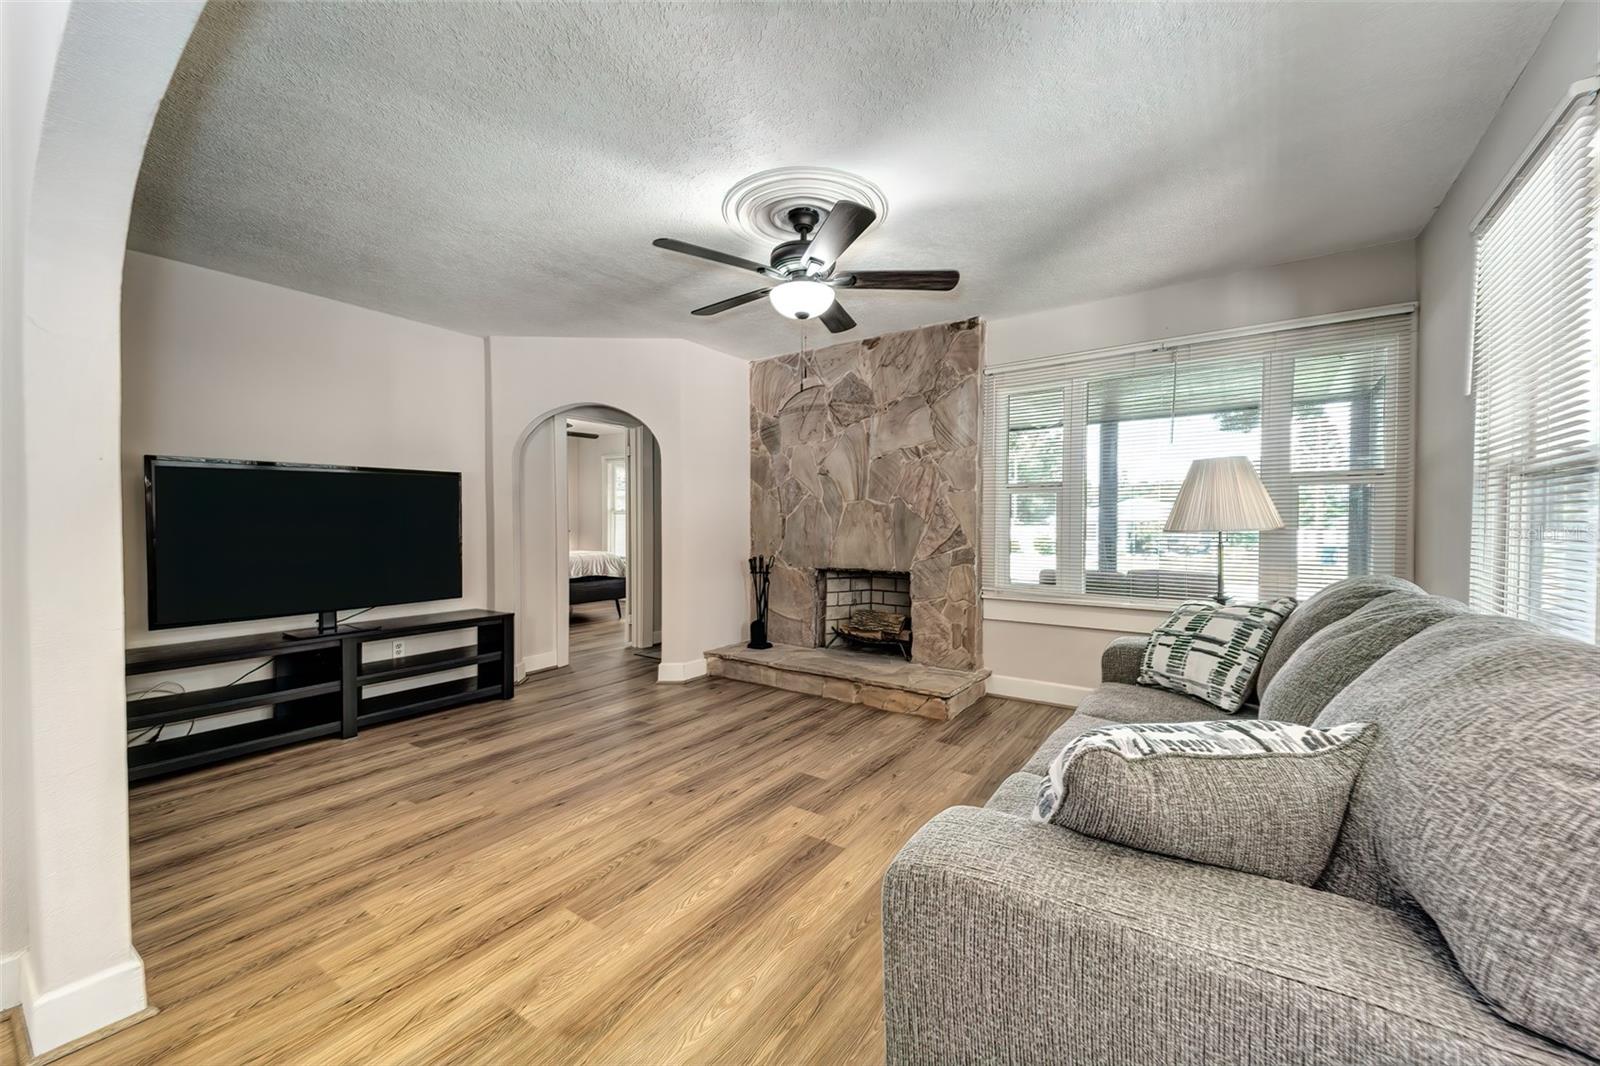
[801, 298]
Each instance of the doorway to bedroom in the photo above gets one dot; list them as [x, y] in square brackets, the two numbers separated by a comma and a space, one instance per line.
[589, 536]
[606, 495]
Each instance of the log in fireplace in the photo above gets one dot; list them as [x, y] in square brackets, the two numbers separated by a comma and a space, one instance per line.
[867, 609]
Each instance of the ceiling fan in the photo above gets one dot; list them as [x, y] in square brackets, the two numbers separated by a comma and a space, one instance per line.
[802, 270]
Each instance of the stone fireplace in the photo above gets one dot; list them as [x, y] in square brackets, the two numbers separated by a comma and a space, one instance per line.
[863, 465]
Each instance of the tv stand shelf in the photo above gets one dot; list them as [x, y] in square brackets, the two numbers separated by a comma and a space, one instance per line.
[184, 706]
[426, 663]
[316, 687]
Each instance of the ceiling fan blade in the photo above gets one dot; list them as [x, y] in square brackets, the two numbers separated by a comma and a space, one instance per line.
[925, 280]
[837, 319]
[846, 221]
[706, 253]
[730, 303]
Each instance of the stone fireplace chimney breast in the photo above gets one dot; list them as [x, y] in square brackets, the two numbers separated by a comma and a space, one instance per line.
[864, 457]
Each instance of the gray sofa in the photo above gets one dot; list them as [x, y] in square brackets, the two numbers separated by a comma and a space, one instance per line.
[1457, 922]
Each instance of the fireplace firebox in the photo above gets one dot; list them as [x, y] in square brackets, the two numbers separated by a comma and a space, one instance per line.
[864, 609]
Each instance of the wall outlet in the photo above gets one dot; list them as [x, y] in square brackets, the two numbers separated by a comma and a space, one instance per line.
[398, 651]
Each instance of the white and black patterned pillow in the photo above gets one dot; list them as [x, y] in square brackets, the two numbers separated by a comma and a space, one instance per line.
[1213, 650]
[1267, 798]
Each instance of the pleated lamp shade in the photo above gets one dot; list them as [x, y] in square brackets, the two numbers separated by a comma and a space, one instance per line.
[1222, 496]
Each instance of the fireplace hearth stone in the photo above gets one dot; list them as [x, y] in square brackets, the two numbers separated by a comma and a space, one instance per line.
[886, 683]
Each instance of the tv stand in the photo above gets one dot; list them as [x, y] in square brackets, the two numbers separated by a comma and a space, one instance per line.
[317, 687]
[328, 625]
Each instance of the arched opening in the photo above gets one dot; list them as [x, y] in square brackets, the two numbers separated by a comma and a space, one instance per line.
[83, 85]
[580, 547]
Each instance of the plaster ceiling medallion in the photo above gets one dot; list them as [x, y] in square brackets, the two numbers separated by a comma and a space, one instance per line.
[759, 206]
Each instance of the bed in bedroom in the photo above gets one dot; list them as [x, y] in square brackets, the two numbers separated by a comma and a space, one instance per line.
[597, 577]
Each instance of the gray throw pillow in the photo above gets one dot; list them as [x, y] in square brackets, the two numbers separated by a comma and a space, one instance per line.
[1211, 650]
[1266, 798]
[1343, 650]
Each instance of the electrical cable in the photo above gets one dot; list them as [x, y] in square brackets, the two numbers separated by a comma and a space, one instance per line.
[152, 734]
[177, 689]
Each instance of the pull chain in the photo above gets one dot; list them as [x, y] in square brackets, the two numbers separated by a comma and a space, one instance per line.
[1172, 408]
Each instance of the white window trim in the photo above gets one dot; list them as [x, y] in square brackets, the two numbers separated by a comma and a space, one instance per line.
[1277, 405]
[1097, 616]
[606, 462]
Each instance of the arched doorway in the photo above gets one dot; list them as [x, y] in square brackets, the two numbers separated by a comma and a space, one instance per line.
[556, 547]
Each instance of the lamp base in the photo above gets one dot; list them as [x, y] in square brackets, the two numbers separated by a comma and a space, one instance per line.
[1222, 597]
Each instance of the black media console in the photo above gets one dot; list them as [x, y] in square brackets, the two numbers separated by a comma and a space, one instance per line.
[316, 688]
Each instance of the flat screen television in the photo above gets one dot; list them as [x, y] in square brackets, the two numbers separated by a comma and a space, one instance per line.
[230, 540]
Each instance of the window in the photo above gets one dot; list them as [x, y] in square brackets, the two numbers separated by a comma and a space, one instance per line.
[616, 496]
[1536, 386]
[1086, 454]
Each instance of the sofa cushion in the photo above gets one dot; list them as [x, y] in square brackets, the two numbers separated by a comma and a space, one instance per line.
[1480, 804]
[1009, 942]
[1017, 795]
[1212, 650]
[1141, 703]
[1331, 604]
[1263, 798]
[1342, 651]
[1039, 762]
[1116, 704]
[1121, 659]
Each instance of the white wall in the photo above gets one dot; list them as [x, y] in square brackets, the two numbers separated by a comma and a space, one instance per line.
[586, 508]
[30, 36]
[1444, 473]
[219, 366]
[65, 783]
[695, 401]
[1049, 651]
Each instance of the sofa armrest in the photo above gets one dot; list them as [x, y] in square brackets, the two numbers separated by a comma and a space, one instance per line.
[1121, 660]
[1008, 941]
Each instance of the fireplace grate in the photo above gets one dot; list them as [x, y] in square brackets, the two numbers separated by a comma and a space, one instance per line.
[874, 629]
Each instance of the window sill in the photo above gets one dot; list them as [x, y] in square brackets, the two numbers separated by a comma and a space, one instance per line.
[1076, 612]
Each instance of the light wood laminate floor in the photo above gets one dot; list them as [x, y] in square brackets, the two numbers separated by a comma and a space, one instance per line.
[602, 869]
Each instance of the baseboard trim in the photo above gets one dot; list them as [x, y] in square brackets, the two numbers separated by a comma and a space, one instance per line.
[1026, 688]
[677, 673]
[82, 1010]
[532, 664]
[24, 1051]
[10, 980]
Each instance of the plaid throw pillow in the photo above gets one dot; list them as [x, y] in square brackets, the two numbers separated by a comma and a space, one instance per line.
[1212, 650]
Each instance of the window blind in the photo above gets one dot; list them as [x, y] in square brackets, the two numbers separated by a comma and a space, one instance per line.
[1536, 387]
[1084, 456]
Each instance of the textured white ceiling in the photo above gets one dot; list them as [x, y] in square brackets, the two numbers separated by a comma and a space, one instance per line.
[501, 169]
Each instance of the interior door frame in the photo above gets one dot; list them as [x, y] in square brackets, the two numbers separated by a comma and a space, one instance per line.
[641, 539]
[563, 537]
